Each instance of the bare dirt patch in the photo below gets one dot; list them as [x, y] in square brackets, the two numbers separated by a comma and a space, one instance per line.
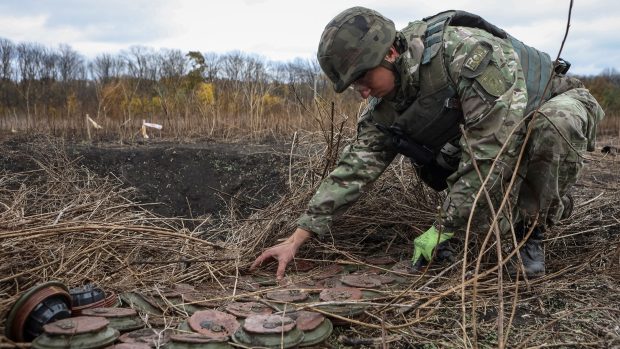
[192, 180]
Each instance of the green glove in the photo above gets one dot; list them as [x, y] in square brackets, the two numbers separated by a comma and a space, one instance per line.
[424, 244]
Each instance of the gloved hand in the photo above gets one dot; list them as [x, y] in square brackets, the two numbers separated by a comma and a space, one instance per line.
[424, 245]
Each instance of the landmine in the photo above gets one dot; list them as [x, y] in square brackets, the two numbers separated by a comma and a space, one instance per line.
[196, 341]
[38, 306]
[213, 324]
[380, 260]
[343, 302]
[174, 298]
[122, 319]
[315, 327]
[129, 346]
[271, 331]
[149, 336]
[141, 303]
[370, 280]
[110, 301]
[284, 299]
[361, 281]
[244, 309]
[169, 302]
[302, 265]
[330, 282]
[329, 271]
[289, 296]
[206, 329]
[86, 296]
[82, 332]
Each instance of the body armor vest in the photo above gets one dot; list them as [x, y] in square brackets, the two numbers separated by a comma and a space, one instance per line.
[433, 118]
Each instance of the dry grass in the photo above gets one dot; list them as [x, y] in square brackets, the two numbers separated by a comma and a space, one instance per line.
[61, 222]
[229, 119]
[575, 304]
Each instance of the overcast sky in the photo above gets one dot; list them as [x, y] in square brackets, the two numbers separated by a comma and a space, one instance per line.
[285, 29]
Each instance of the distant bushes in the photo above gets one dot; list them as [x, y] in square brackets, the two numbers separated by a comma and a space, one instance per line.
[194, 94]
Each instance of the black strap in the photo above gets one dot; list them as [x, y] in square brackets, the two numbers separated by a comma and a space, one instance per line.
[388, 65]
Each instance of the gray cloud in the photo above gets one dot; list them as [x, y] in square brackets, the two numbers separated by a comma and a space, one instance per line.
[592, 44]
[103, 21]
[279, 28]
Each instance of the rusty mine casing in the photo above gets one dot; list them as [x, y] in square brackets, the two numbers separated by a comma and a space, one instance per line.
[208, 329]
[271, 331]
[90, 296]
[36, 307]
[122, 319]
[196, 341]
[149, 336]
[316, 327]
[82, 332]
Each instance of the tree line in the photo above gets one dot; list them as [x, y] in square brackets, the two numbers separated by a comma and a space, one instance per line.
[188, 93]
[194, 93]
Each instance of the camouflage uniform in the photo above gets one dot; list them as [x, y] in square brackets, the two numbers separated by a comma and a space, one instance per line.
[490, 85]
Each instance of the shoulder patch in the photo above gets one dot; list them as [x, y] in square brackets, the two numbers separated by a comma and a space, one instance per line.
[492, 81]
[477, 59]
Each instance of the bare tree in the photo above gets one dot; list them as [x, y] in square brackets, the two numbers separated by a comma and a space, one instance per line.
[106, 70]
[304, 75]
[213, 64]
[29, 61]
[106, 67]
[141, 63]
[7, 54]
[303, 71]
[49, 69]
[70, 63]
[172, 64]
[257, 80]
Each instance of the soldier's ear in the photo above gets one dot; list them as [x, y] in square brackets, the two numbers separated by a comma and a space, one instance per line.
[392, 54]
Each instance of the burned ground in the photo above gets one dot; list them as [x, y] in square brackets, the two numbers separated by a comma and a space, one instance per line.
[185, 180]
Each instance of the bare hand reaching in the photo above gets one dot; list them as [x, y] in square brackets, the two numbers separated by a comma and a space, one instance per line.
[283, 252]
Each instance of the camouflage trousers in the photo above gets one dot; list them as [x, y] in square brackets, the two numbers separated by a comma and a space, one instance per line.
[563, 129]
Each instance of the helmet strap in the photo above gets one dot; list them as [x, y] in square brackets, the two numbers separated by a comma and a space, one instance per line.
[407, 83]
[388, 65]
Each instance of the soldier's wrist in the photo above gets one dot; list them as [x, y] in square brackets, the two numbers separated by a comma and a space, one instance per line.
[300, 236]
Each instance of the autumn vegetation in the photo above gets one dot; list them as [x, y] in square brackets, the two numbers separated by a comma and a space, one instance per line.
[222, 96]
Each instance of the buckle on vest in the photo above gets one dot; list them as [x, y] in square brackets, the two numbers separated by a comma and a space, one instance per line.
[452, 103]
[561, 66]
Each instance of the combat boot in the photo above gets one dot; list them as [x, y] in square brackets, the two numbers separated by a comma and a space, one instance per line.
[568, 203]
[532, 253]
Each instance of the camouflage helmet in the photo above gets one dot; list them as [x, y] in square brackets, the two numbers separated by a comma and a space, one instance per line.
[355, 41]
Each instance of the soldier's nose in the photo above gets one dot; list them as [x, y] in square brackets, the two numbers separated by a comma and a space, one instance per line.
[363, 91]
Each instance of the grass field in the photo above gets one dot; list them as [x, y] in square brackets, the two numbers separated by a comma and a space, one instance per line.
[59, 220]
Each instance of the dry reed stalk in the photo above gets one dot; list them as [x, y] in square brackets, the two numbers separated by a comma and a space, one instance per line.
[62, 222]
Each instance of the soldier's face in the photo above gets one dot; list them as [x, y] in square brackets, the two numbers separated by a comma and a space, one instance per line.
[377, 82]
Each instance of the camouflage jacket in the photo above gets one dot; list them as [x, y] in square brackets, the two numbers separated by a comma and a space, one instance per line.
[493, 106]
